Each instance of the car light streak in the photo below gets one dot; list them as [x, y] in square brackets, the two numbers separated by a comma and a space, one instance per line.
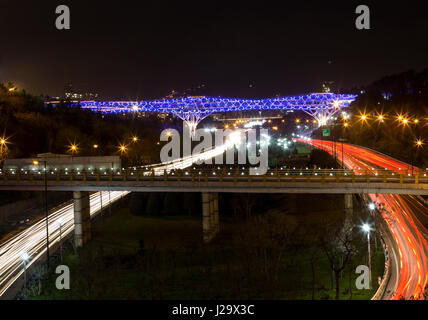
[402, 214]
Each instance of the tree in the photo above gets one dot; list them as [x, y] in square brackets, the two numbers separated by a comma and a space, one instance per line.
[337, 244]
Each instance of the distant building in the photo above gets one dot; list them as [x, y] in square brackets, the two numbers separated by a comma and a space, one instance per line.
[329, 87]
[56, 162]
[73, 93]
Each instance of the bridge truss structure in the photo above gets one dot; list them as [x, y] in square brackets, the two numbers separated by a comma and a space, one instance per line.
[193, 110]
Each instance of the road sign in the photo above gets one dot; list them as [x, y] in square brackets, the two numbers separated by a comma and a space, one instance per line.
[325, 132]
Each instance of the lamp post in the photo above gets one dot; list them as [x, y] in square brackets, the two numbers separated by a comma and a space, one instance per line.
[367, 229]
[36, 163]
[60, 236]
[24, 258]
[419, 144]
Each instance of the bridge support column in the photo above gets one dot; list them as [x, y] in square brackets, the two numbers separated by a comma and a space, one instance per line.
[349, 205]
[82, 218]
[206, 217]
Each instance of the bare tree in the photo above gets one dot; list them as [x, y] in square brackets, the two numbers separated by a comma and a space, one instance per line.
[337, 244]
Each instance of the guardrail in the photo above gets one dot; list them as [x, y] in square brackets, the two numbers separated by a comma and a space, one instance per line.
[220, 174]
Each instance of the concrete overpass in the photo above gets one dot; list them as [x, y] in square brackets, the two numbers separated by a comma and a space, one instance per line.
[211, 181]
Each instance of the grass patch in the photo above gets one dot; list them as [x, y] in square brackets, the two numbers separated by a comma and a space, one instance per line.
[172, 263]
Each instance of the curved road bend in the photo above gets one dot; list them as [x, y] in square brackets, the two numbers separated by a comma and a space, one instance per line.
[405, 216]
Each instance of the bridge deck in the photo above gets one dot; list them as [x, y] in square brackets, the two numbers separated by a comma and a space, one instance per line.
[237, 181]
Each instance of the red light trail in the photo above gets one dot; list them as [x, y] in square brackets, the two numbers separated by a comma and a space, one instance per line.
[402, 213]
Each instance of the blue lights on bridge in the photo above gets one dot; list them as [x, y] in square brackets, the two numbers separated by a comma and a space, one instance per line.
[192, 110]
[204, 106]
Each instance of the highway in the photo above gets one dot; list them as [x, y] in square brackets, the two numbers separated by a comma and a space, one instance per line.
[403, 215]
[33, 239]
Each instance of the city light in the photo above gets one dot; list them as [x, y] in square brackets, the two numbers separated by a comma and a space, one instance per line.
[366, 227]
[419, 142]
[73, 148]
[372, 206]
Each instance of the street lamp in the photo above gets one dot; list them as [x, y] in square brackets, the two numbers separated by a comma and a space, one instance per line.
[73, 148]
[418, 144]
[372, 206]
[60, 222]
[122, 148]
[24, 258]
[36, 163]
[366, 228]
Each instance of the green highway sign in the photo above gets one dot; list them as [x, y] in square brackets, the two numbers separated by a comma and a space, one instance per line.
[325, 132]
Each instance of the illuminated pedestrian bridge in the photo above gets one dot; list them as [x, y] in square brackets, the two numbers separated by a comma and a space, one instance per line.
[192, 110]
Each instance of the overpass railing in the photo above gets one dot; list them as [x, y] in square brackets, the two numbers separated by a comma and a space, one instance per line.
[219, 174]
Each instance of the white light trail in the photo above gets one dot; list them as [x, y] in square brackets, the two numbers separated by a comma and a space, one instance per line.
[33, 239]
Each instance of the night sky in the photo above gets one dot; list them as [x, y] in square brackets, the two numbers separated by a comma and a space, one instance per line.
[144, 49]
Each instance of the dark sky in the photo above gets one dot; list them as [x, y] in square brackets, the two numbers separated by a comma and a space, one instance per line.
[144, 49]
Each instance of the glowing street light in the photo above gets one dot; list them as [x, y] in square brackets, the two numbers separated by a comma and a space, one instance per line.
[25, 256]
[134, 139]
[123, 148]
[95, 146]
[366, 228]
[73, 148]
[419, 143]
[36, 163]
[372, 206]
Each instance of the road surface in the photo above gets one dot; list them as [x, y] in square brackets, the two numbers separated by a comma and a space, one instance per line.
[406, 217]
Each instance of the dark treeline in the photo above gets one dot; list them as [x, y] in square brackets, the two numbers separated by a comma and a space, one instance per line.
[31, 128]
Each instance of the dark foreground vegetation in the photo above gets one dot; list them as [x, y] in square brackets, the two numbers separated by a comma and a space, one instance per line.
[286, 253]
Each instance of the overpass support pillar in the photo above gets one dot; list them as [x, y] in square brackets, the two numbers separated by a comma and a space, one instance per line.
[210, 218]
[82, 218]
[349, 206]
